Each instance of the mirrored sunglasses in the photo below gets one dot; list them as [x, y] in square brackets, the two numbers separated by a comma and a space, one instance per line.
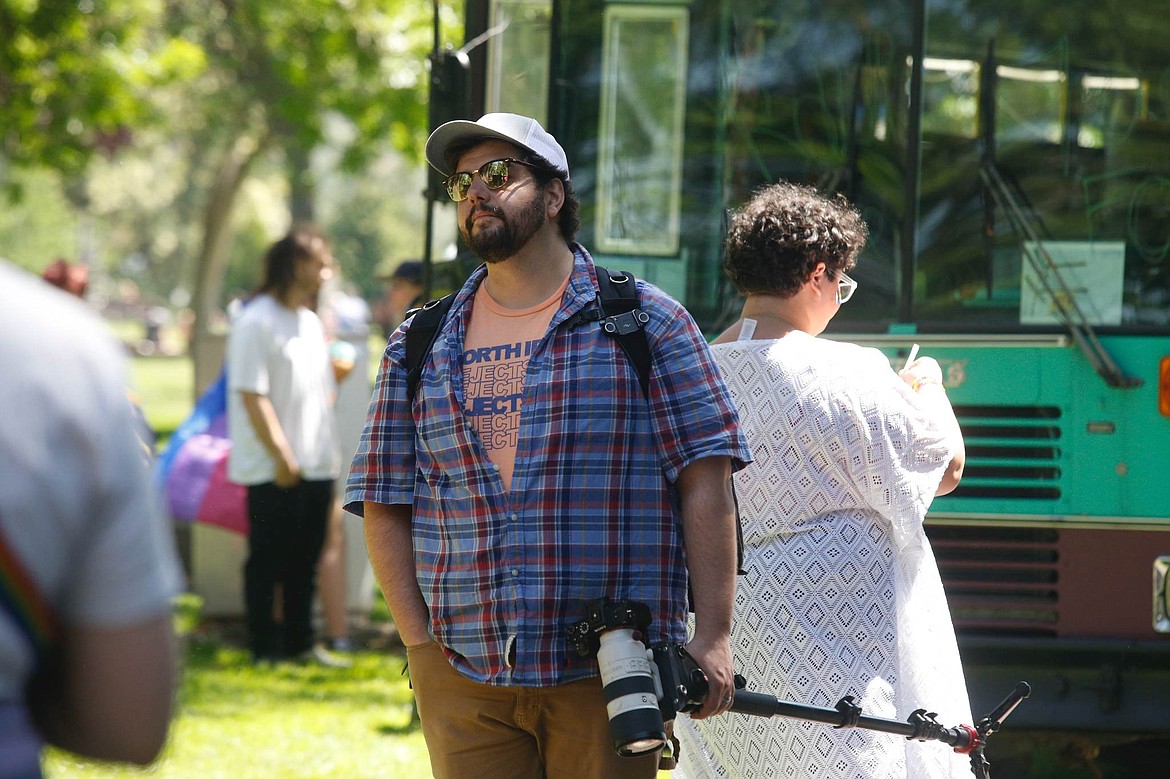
[494, 175]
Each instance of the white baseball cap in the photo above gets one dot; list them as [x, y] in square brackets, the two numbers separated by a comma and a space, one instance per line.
[522, 131]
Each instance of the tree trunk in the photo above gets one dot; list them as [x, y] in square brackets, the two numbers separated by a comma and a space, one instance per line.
[207, 345]
[301, 184]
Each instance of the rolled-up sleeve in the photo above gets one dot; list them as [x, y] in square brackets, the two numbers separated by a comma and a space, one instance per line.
[383, 468]
[694, 415]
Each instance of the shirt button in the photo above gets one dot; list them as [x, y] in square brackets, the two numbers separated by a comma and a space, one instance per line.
[515, 571]
[513, 516]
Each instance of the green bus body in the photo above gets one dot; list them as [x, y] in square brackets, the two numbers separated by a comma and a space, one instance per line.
[1013, 163]
[1048, 440]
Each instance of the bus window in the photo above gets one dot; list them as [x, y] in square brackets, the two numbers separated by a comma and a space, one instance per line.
[950, 97]
[1074, 119]
[1029, 105]
[518, 58]
[643, 92]
[1107, 108]
[817, 98]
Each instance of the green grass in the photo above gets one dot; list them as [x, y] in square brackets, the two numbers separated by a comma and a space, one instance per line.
[165, 389]
[297, 721]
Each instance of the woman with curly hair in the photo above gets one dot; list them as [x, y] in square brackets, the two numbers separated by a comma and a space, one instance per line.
[843, 595]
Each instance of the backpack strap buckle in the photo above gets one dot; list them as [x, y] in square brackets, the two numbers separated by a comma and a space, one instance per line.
[625, 323]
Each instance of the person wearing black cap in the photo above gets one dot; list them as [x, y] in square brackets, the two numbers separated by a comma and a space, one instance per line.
[528, 475]
[404, 291]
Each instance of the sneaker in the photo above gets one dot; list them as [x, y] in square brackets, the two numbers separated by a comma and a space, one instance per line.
[344, 644]
[321, 656]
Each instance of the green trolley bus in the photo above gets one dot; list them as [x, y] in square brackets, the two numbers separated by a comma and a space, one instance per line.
[1013, 162]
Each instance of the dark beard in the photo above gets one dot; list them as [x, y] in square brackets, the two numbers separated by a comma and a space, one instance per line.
[506, 239]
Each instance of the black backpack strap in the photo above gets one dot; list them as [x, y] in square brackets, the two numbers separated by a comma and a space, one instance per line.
[624, 320]
[420, 338]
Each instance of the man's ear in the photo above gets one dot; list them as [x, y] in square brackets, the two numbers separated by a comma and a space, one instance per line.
[554, 198]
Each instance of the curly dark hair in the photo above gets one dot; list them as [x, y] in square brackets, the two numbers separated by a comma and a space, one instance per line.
[568, 219]
[775, 241]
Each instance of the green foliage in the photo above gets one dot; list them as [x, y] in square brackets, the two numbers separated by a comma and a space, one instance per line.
[139, 106]
[41, 227]
[245, 267]
[293, 64]
[72, 76]
[375, 221]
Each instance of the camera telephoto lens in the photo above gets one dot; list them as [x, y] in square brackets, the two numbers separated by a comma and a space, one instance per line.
[635, 720]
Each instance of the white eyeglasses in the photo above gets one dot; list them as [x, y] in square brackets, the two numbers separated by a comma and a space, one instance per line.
[845, 288]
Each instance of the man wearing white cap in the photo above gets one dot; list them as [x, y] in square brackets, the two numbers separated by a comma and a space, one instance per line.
[529, 475]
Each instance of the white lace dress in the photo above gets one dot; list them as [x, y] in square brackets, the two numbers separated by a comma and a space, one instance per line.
[843, 595]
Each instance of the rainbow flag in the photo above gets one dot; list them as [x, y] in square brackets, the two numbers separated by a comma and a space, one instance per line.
[21, 598]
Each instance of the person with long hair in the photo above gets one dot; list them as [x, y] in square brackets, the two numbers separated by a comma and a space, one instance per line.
[284, 440]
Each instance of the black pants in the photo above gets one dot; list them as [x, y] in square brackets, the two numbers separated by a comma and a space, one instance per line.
[285, 537]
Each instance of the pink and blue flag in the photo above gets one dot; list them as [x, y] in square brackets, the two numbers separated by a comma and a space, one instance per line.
[191, 472]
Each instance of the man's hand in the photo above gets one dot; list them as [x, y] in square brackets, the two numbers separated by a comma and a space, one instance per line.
[262, 417]
[391, 549]
[288, 472]
[714, 657]
[708, 514]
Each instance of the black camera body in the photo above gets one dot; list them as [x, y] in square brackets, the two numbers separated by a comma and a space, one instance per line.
[645, 686]
[684, 685]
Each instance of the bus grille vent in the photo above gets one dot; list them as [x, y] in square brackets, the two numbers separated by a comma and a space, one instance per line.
[999, 581]
[1013, 452]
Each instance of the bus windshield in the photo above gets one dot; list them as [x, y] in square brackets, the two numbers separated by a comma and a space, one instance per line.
[1042, 161]
[1014, 169]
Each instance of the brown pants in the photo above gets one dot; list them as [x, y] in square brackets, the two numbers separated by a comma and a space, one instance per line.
[477, 730]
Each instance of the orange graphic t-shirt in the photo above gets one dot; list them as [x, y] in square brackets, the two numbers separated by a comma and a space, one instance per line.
[497, 346]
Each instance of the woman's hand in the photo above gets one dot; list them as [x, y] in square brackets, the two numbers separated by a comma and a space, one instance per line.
[923, 372]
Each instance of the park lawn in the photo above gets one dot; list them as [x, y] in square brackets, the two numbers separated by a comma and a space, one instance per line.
[164, 388]
[235, 721]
